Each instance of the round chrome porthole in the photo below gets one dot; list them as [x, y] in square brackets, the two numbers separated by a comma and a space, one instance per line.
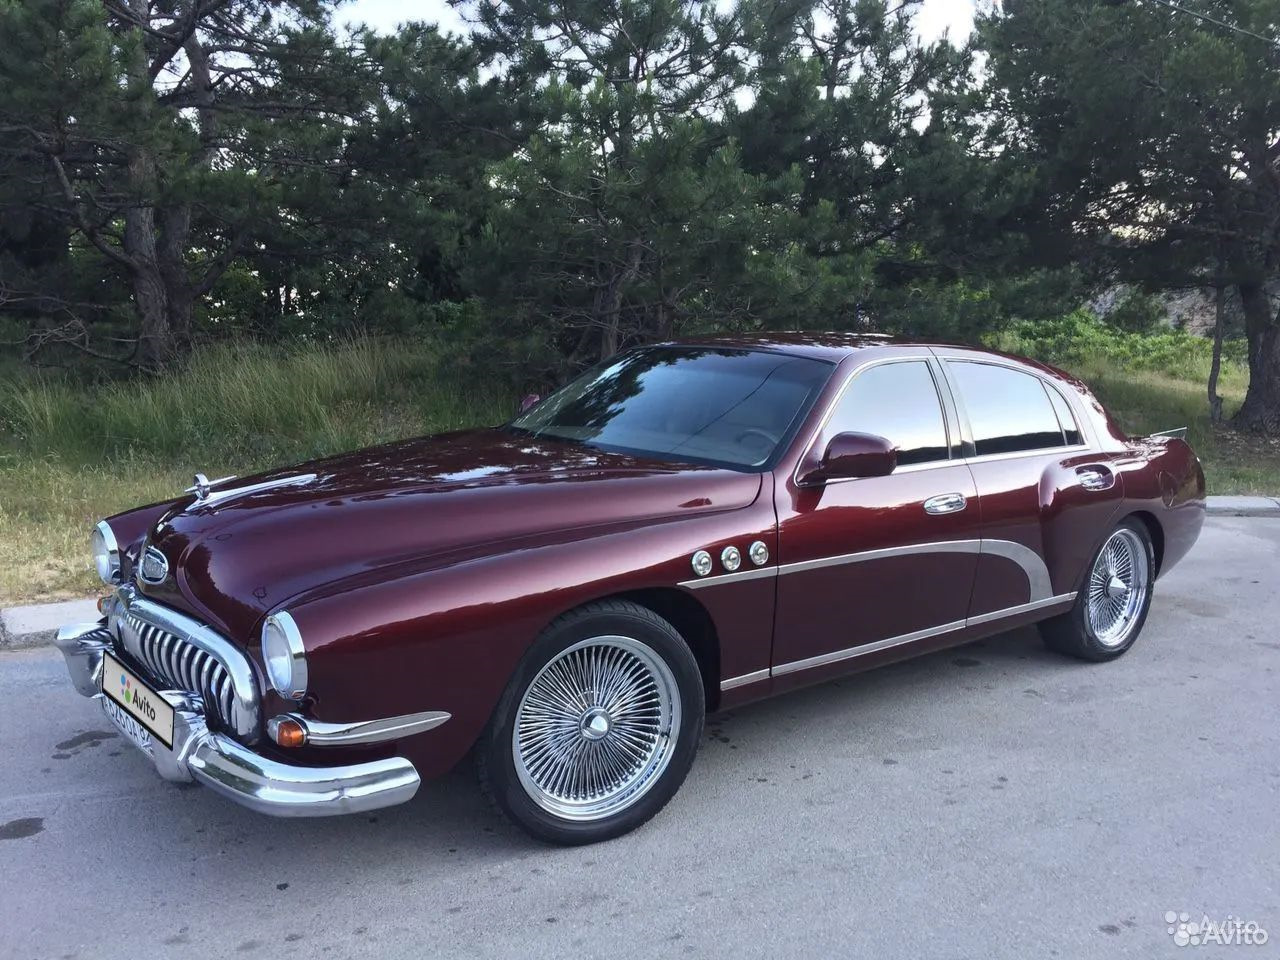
[759, 553]
[730, 558]
[702, 563]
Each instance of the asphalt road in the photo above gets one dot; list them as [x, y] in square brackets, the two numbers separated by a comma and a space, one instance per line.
[989, 801]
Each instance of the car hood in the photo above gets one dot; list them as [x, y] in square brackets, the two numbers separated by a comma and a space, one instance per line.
[256, 542]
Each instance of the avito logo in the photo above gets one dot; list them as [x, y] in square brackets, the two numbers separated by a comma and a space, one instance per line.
[136, 699]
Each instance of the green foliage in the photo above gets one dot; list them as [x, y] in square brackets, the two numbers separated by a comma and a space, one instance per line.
[1081, 337]
[239, 405]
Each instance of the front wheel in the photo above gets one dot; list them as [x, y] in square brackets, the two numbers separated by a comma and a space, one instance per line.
[1112, 605]
[597, 728]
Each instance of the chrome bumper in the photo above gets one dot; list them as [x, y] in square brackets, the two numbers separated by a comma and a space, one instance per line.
[235, 771]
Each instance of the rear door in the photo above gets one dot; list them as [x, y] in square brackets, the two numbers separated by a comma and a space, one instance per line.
[1045, 489]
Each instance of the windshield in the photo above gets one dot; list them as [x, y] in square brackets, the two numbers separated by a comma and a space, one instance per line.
[733, 408]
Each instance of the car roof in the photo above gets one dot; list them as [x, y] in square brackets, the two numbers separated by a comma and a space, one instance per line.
[832, 346]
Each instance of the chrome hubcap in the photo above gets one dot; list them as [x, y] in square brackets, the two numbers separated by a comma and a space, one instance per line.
[1117, 588]
[595, 728]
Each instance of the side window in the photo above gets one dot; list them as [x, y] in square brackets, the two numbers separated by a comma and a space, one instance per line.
[1070, 429]
[897, 401]
[1008, 410]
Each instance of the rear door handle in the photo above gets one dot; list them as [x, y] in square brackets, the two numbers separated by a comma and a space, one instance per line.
[1096, 478]
[945, 503]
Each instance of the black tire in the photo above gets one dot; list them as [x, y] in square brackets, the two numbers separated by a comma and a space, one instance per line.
[496, 752]
[1074, 634]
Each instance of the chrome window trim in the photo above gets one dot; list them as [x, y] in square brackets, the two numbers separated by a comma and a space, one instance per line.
[321, 734]
[835, 402]
[243, 685]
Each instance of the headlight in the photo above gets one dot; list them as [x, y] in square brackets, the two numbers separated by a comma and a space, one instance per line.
[285, 659]
[106, 553]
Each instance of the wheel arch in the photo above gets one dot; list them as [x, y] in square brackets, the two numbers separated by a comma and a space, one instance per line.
[695, 625]
[1155, 531]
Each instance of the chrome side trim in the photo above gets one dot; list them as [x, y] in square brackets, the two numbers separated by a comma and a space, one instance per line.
[1020, 608]
[865, 648]
[940, 546]
[322, 734]
[1032, 565]
[742, 681]
[728, 578]
[1030, 561]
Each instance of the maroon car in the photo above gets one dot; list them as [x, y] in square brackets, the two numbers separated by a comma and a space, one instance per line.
[684, 528]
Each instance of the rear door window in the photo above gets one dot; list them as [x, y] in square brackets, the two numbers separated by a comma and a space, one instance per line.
[1009, 411]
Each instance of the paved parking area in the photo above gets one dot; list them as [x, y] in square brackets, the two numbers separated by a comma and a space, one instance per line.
[989, 801]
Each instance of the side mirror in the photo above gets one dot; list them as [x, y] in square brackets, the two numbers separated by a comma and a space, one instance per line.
[852, 455]
[527, 401]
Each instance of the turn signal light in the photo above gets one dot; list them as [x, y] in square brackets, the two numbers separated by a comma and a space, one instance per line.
[102, 604]
[287, 732]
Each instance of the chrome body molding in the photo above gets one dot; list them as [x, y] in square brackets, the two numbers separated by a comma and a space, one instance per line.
[234, 770]
[912, 549]
[863, 649]
[729, 578]
[836, 656]
[214, 497]
[320, 734]
[746, 678]
[126, 608]
[1020, 608]
[1032, 564]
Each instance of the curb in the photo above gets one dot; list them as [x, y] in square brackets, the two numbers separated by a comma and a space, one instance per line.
[22, 628]
[36, 625]
[1243, 506]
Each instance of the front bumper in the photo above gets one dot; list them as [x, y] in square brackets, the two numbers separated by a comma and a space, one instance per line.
[233, 770]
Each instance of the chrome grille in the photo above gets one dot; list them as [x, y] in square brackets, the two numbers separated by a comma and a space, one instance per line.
[173, 661]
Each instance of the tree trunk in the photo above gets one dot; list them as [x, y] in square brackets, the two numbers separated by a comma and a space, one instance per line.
[1261, 410]
[1215, 367]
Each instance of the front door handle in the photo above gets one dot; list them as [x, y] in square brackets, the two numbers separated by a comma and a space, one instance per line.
[945, 503]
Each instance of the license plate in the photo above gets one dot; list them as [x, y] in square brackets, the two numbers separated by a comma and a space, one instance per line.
[136, 708]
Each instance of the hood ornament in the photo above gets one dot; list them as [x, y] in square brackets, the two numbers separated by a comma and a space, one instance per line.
[203, 483]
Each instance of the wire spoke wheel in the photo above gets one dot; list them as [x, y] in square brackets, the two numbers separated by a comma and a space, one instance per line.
[1117, 588]
[595, 728]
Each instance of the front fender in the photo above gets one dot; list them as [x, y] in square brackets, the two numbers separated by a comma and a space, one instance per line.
[450, 638]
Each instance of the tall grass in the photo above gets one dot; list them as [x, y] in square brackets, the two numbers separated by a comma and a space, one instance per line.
[240, 402]
[71, 453]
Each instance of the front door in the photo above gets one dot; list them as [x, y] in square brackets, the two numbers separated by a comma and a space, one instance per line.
[869, 564]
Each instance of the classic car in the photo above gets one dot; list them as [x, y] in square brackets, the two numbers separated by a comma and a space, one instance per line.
[685, 528]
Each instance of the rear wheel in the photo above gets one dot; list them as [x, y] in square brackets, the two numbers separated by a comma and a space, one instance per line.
[597, 728]
[1112, 606]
